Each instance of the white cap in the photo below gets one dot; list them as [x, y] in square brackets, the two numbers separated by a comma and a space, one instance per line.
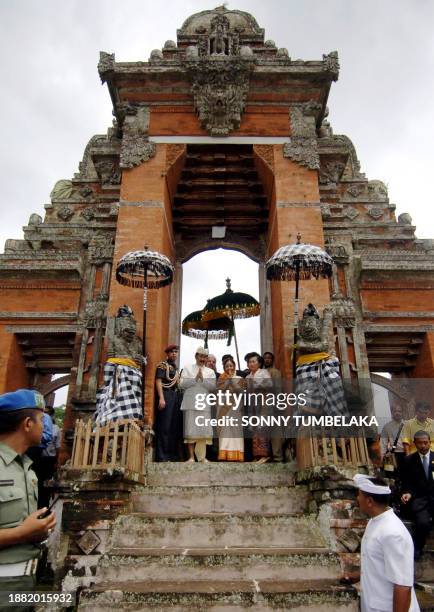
[365, 484]
[202, 351]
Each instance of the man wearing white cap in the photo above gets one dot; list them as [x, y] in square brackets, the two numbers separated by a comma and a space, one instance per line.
[197, 381]
[387, 571]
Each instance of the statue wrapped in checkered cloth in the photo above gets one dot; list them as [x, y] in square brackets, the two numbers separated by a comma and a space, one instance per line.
[120, 397]
[317, 374]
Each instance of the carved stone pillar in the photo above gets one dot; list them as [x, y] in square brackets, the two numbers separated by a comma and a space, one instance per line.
[176, 306]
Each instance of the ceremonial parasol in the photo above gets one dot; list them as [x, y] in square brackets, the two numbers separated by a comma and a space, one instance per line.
[216, 329]
[232, 304]
[147, 270]
[298, 262]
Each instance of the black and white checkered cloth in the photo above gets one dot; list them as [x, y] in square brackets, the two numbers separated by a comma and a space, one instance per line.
[310, 260]
[322, 384]
[120, 397]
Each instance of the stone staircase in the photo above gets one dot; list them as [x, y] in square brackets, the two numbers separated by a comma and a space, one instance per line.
[218, 537]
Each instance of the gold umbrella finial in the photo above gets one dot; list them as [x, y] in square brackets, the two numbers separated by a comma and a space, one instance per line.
[298, 238]
[228, 284]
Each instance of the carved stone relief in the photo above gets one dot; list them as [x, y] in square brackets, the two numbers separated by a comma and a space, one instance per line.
[326, 212]
[136, 147]
[95, 312]
[343, 309]
[377, 191]
[108, 171]
[65, 213]
[331, 172]
[303, 146]
[331, 64]
[101, 249]
[351, 212]
[106, 64]
[375, 212]
[88, 214]
[355, 190]
[220, 86]
[62, 190]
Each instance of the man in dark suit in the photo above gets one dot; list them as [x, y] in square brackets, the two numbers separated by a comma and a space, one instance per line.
[418, 489]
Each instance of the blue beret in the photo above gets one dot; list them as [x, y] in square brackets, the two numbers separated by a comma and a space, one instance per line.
[21, 399]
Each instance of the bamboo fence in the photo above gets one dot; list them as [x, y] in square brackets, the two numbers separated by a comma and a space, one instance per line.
[118, 444]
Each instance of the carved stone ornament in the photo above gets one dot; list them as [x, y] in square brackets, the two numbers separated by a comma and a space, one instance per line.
[35, 219]
[337, 251]
[303, 146]
[136, 147]
[86, 192]
[106, 64]
[65, 213]
[326, 212]
[355, 190]
[343, 309]
[101, 249]
[375, 212]
[331, 172]
[62, 190]
[88, 542]
[88, 214]
[220, 85]
[405, 219]
[95, 313]
[377, 191]
[351, 213]
[331, 64]
[108, 171]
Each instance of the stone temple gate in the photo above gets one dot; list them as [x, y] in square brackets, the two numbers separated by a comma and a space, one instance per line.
[218, 140]
[219, 134]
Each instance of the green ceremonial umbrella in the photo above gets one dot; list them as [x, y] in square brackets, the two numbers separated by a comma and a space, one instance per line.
[216, 329]
[232, 304]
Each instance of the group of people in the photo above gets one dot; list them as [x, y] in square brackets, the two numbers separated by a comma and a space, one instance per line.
[408, 456]
[177, 409]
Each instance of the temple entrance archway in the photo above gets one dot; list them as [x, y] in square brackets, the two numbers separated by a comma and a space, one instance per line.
[204, 276]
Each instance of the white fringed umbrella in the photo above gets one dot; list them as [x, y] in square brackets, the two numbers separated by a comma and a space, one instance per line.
[298, 262]
[148, 270]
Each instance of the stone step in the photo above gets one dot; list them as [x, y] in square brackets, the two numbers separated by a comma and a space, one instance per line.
[425, 595]
[216, 530]
[227, 596]
[424, 567]
[221, 474]
[219, 564]
[212, 498]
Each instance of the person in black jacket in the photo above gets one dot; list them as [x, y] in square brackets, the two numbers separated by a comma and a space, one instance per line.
[418, 489]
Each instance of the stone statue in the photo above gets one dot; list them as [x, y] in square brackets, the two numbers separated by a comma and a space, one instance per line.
[317, 374]
[314, 331]
[124, 343]
[120, 397]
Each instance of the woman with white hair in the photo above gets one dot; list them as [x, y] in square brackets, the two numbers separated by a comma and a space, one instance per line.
[197, 381]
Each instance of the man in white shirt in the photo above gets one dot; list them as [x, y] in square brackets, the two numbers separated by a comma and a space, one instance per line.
[387, 570]
[197, 381]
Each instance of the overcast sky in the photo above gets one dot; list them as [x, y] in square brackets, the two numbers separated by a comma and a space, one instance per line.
[52, 101]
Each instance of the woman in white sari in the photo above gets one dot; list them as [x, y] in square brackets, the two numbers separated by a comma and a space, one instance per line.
[197, 381]
[231, 441]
